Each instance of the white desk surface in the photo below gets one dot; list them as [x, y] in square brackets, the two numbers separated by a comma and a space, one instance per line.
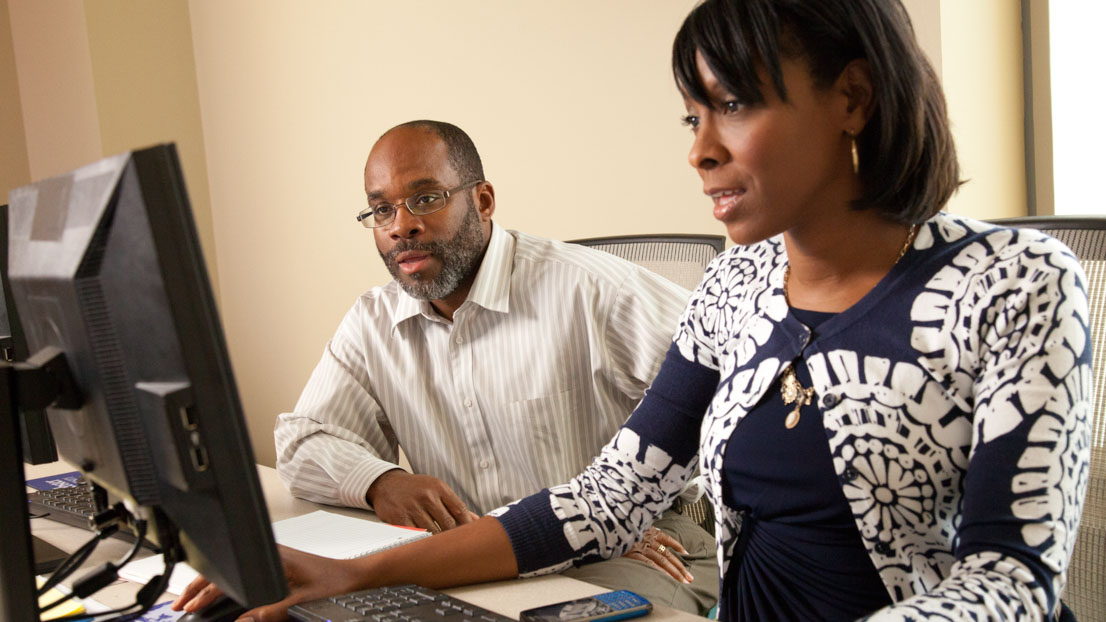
[504, 597]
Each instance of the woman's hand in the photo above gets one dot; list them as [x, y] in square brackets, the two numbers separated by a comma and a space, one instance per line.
[309, 577]
[660, 551]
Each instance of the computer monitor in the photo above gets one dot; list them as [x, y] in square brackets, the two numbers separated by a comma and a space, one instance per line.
[31, 435]
[105, 266]
[38, 443]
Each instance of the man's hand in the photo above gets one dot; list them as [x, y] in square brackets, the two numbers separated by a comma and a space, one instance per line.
[401, 498]
[659, 550]
[309, 577]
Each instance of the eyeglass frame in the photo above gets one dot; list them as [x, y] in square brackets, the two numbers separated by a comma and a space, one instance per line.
[363, 217]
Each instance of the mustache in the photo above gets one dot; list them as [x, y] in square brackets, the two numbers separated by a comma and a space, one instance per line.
[434, 248]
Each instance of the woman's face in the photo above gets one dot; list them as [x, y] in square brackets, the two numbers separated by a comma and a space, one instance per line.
[773, 166]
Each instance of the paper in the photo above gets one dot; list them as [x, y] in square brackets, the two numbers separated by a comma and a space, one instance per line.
[68, 606]
[341, 537]
[142, 570]
[312, 533]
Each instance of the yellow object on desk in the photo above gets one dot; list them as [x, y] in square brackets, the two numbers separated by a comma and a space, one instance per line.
[67, 607]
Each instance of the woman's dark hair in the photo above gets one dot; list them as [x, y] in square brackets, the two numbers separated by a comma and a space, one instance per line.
[908, 167]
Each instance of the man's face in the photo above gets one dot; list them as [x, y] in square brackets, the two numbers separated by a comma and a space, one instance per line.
[430, 256]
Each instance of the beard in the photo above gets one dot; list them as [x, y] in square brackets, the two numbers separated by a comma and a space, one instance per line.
[459, 255]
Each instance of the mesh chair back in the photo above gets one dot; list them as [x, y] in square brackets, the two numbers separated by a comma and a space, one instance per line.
[1086, 237]
[680, 259]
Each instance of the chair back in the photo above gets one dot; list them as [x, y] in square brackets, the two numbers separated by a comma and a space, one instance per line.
[1086, 237]
[680, 259]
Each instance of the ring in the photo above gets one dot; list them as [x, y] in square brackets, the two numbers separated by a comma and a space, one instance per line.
[661, 549]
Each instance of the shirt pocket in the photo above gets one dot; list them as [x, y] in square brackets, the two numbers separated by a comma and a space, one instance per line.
[549, 439]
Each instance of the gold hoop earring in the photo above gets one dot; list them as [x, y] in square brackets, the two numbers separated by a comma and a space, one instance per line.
[856, 158]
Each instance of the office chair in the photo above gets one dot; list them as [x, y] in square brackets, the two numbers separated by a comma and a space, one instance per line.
[1085, 593]
[680, 259]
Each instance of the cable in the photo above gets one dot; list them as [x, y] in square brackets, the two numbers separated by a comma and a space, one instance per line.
[70, 564]
[144, 600]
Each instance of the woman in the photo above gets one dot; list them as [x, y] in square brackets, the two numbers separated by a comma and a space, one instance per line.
[889, 403]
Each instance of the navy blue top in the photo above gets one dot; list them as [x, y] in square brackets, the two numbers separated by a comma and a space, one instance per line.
[799, 556]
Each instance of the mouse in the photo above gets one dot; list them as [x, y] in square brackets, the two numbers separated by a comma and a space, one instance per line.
[222, 609]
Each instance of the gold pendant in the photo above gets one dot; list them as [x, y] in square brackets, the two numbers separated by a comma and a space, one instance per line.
[794, 393]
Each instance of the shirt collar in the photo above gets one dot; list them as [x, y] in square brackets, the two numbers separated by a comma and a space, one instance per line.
[491, 289]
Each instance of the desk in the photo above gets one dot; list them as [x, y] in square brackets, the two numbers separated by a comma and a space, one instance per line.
[504, 597]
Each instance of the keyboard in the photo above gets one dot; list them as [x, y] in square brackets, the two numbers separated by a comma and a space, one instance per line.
[403, 603]
[72, 506]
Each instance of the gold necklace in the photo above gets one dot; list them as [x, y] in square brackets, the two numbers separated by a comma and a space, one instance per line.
[905, 247]
[792, 390]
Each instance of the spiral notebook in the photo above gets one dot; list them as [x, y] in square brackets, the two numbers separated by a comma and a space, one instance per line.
[312, 533]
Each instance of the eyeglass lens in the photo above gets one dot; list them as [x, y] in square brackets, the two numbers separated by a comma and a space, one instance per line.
[419, 205]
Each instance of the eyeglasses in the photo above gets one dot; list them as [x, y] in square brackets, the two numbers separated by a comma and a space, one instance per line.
[421, 204]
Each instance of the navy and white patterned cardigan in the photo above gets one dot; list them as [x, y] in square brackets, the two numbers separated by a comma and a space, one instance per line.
[955, 396]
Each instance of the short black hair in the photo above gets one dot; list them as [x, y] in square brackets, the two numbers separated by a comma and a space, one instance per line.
[908, 167]
[461, 151]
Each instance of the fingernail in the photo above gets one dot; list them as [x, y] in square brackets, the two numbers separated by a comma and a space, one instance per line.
[245, 620]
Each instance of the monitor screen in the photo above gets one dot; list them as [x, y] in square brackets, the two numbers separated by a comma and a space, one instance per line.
[105, 266]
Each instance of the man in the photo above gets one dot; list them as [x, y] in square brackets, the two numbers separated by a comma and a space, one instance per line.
[501, 364]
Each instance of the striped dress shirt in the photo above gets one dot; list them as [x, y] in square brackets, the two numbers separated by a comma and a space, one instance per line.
[550, 353]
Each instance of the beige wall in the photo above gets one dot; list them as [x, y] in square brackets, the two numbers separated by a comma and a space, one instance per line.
[981, 42]
[571, 104]
[97, 78]
[146, 93]
[14, 168]
[925, 15]
[56, 89]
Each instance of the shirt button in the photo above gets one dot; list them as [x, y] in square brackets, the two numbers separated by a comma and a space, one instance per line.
[484, 464]
[460, 340]
[830, 400]
[468, 403]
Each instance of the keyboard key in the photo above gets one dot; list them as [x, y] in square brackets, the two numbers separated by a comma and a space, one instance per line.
[407, 603]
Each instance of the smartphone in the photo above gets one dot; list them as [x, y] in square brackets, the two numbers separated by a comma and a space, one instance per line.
[617, 605]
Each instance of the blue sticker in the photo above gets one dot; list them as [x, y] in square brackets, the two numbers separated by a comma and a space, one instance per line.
[161, 613]
[61, 480]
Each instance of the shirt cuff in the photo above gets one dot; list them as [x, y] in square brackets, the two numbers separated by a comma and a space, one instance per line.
[532, 527]
[353, 489]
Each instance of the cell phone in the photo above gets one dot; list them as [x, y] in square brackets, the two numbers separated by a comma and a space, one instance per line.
[617, 605]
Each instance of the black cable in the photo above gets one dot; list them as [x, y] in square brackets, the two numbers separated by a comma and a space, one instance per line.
[97, 579]
[79, 556]
[148, 592]
[144, 600]
[140, 527]
[70, 564]
[147, 596]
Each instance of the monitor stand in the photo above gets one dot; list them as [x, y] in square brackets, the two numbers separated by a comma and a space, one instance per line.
[42, 381]
[17, 585]
[47, 556]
